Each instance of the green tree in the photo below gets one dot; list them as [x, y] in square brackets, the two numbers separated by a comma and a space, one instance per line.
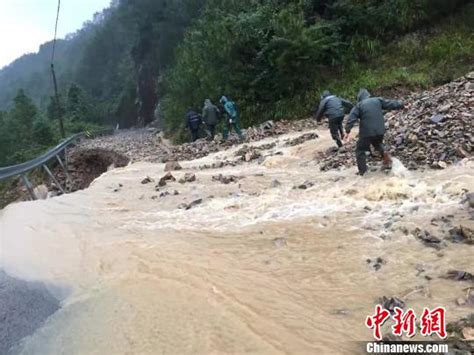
[42, 132]
[78, 107]
[22, 117]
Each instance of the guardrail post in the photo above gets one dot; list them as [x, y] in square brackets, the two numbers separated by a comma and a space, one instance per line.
[68, 177]
[29, 187]
[53, 178]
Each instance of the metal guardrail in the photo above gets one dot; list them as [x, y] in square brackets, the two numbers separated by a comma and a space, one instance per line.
[23, 168]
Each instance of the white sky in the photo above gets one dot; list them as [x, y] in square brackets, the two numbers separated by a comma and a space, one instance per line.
[26, 24]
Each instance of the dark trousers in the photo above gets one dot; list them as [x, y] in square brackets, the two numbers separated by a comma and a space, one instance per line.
[194, 134]
[228, 127]
[337, 132]
[211, 128]
[363, 145]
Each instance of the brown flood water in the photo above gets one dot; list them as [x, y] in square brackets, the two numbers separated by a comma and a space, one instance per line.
[253, 269]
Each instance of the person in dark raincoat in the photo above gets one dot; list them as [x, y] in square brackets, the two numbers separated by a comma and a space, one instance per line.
[193, 121]
[370, 112]
[334, 108]
[210, 115]
[233, 118]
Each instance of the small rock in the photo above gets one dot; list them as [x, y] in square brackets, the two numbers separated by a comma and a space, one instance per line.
[469, 199]
[280, 242]
[445, 108]
[462, 235]
[304, 186]
[194, 204]
[188, 177]
[428, 239]
[390, 303]
[442, 165]
[226, 179]
[41, 192]
[275, 183]
[458, 275]
[164, 179]
[172, 166]
[437, 119]
[147, 180]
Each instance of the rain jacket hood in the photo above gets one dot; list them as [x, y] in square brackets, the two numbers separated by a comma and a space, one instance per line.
[363, 95]
[223, 100]
[325, 94]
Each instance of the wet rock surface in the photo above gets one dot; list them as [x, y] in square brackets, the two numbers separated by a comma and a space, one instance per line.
[435, 130]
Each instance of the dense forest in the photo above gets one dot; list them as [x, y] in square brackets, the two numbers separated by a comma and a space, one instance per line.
[139, 60]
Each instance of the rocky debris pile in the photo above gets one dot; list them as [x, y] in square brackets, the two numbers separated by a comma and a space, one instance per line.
[301, 139]
[276, 128]
[461, 335]
[136, 144]
[436, 129]
[190, 151]
[247, 153]
[85, 165]
[226, 179]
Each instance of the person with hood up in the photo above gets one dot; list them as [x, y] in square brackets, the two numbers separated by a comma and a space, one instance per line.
[210, 115]
[193, 121]
[334, 108]
[233, 119]
[370, 111]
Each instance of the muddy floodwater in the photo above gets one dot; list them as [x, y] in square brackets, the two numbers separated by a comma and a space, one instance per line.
[257, 267]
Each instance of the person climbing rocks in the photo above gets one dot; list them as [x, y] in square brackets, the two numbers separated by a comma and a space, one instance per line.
[193, 121]
[210, 115]
[233, 119]
[334, 108]
[370, 111]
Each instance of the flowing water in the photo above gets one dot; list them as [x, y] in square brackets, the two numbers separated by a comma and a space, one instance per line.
[256, 268]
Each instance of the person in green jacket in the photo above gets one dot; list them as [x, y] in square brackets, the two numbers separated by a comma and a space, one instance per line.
[334, 108]
[210, 115]
[370, 112]
[233, 119]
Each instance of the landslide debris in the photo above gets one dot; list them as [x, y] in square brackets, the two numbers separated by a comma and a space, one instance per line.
[436, 129]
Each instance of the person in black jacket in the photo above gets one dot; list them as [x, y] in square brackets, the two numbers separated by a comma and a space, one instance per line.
[334, 108]
[370, 111]
[193, 121]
